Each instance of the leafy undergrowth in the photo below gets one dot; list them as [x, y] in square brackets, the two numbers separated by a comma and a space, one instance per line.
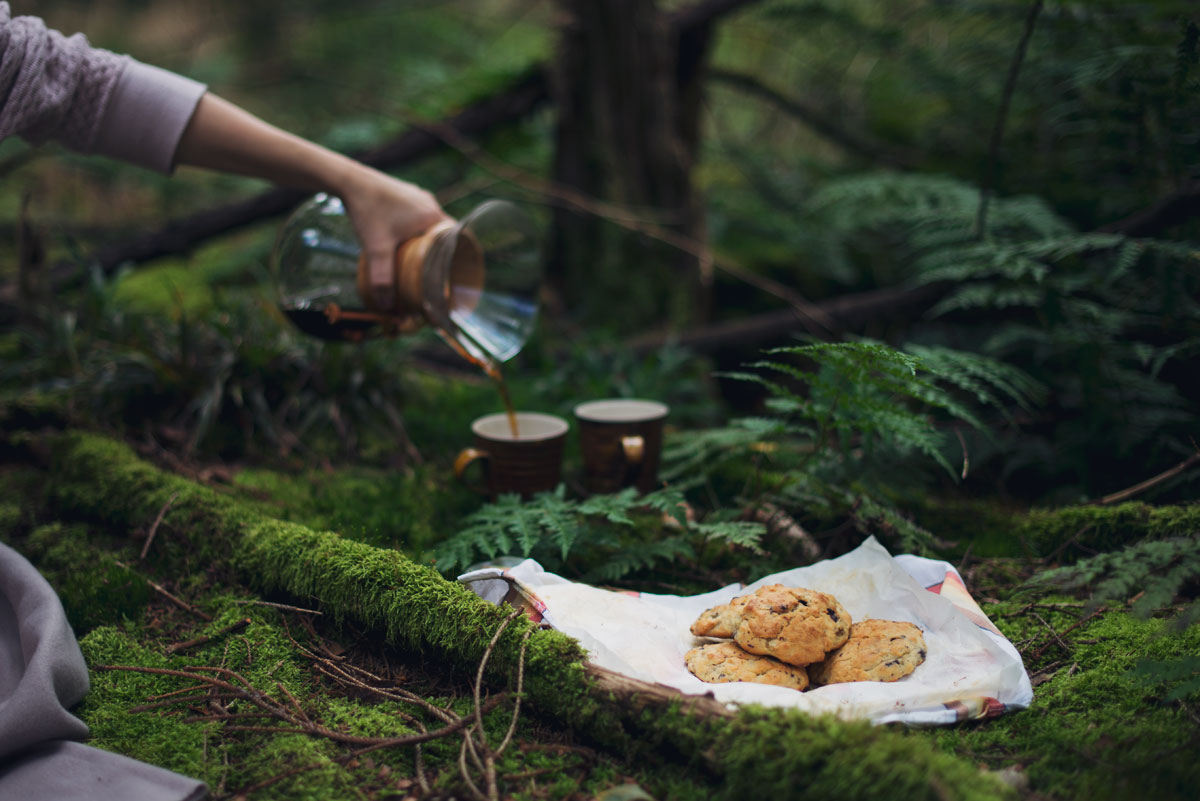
[1104, 724]
[1116, 691]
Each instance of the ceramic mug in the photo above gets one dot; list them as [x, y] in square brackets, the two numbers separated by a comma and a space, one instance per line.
[526, 464]
[621, 441]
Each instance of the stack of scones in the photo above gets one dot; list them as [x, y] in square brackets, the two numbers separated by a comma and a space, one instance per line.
[795, 637]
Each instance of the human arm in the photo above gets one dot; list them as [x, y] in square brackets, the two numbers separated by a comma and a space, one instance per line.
[54, 87]
[385, 211]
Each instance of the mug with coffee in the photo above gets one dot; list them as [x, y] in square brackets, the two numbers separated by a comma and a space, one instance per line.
[621, 441]
[527, 462]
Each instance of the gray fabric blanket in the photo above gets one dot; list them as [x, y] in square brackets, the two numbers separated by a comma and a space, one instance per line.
[42, 674]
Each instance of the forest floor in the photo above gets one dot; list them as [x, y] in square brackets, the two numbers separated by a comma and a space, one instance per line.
[331, 692]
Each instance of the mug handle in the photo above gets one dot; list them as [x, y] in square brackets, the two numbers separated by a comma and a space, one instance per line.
[634, 449]
[465, 458]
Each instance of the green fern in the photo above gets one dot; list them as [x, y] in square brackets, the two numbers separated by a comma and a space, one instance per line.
[850, 417]
[1157, 571]
[604, 536]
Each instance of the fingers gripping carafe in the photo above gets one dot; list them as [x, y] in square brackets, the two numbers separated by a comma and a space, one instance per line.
[475, 280]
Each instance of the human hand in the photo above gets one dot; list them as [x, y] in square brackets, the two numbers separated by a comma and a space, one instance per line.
[386, 212]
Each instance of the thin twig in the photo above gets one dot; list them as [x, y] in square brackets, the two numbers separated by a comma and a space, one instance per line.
[184, 605]
[1054, 554]
[1057, 637]
[183, 646]
[1138, 489]
[285, 607]
[1065, 633]
[512, 726]
[157, 522]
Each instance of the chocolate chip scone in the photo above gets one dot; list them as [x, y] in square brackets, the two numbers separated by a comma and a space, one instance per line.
[878, 650]
[719, 662]
[792, 624]
[721, 621]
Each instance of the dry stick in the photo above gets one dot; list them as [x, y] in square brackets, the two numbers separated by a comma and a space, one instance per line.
[1057, 637]
[489, 757]
[1137, 489]
[184, 605]
[183, 646]
[512, 726]
[1065, 633]
[812, 316]
[154, 526]
[1010, 85]
[285, 607]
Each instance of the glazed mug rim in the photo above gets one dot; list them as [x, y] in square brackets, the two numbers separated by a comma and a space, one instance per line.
[621, 411]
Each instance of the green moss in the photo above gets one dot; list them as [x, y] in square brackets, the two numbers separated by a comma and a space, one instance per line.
[10, 519]
[411, 605]
[93, 588]
[389, 509]
[1096, 730]
[1104, 528]
[163, 740]
[770, 753]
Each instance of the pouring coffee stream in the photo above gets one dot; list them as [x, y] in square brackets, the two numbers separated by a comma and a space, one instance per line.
[475, 281]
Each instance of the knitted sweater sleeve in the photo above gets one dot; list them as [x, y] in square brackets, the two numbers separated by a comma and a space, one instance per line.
[55, 87]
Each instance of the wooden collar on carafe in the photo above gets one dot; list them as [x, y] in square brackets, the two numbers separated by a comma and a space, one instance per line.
[410, 268]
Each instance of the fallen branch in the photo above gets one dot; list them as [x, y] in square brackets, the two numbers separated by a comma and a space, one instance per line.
[1174, 209]
[1138, 489]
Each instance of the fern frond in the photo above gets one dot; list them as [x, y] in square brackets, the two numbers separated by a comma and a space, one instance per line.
[740, 533]
[628, 560]
[1160, 569]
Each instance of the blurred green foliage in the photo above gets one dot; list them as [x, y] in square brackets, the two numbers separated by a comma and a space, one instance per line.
[843, 148]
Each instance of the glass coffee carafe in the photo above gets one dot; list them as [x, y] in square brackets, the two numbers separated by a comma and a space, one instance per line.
[475, 280]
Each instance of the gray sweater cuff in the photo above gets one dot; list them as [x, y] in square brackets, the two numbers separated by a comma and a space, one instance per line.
[146, 116]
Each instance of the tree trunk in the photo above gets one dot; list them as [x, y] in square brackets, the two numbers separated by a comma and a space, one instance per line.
[628, 94]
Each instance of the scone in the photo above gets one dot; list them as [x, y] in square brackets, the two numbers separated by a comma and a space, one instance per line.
[792, 624]
[878, 650]
[721, 621]
[719, 662]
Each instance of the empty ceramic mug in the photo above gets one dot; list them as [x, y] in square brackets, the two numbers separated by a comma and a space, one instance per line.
[621, 442]
[526, 464]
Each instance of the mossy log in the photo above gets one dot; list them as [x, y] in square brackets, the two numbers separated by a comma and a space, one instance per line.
[412, 606]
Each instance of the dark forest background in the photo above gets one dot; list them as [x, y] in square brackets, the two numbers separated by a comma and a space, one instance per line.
[1008, 180]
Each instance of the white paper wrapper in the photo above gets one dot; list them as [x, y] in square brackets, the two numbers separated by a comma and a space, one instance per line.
[971, 671]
